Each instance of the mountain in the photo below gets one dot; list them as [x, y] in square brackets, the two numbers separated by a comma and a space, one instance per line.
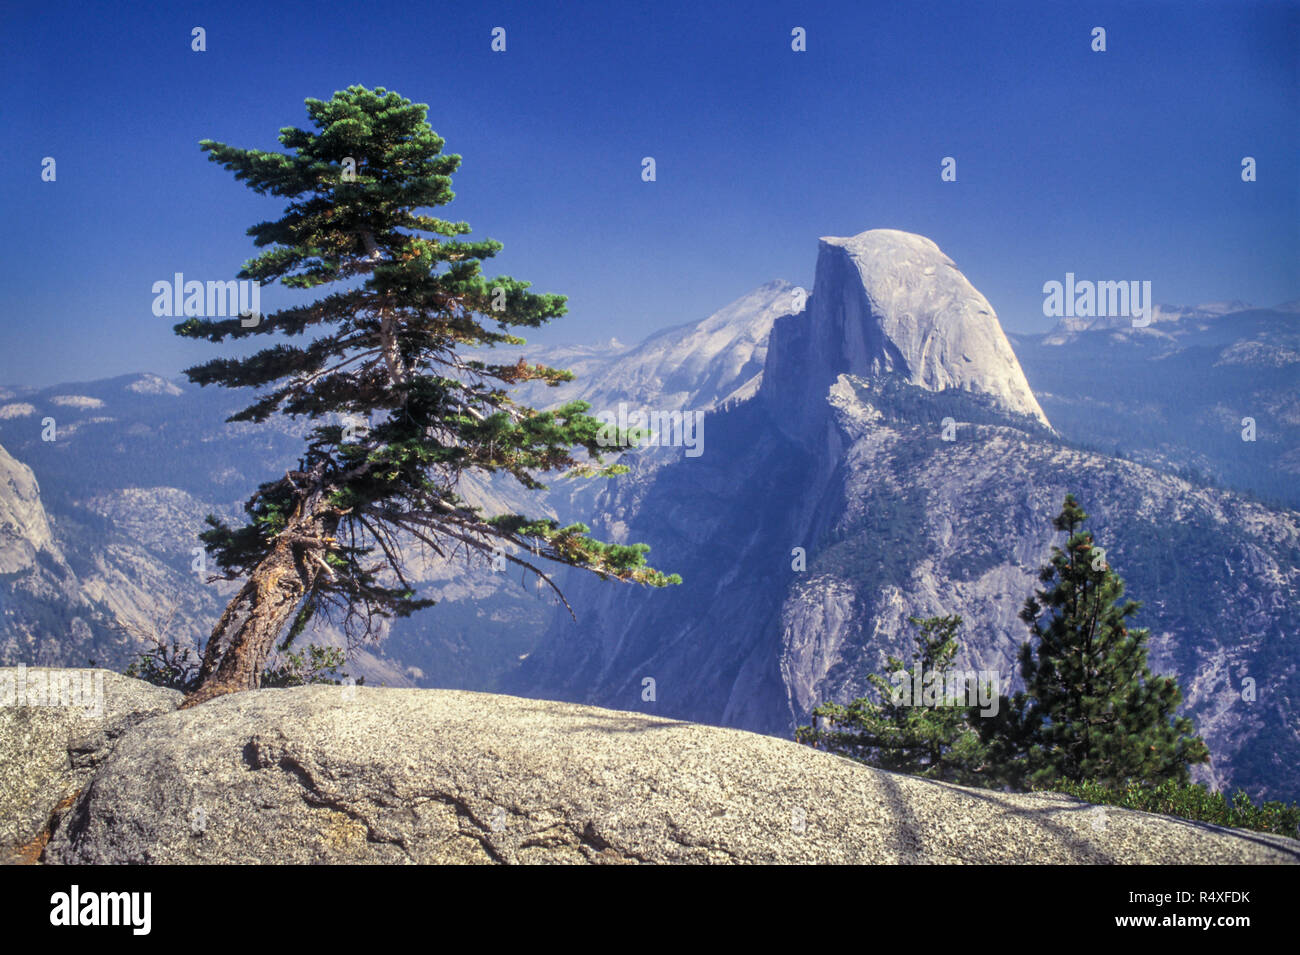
[1211, 392]
[696, 366]
[842, 454]
[24, 527]
[163, 457]
[826, 419]
[1162, 321]
[135, 464]
[890, 304]
[44, 613]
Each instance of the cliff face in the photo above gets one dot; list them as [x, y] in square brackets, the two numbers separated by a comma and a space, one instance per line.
[111, 542]
[843, 455]
[45, 614]
[24, 527]
[891, 304]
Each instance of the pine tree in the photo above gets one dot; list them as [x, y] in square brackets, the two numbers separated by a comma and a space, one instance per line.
[918, 725]
[401, 411]
[1091, 709]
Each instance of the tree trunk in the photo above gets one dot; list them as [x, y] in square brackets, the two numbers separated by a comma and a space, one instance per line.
[243, 638]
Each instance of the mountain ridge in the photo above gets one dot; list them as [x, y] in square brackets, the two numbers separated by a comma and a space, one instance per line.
[869, 489]
[890, 303]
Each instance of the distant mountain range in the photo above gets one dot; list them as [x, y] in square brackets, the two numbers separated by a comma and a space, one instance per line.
[1181, 393]
[826, 414]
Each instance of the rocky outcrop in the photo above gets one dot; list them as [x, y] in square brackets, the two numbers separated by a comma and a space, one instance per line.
[24, 528]
[56, 727]
[891, 304]
[361, 775]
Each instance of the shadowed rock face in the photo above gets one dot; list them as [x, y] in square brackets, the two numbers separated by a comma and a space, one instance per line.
[891, 304]
[334, 774]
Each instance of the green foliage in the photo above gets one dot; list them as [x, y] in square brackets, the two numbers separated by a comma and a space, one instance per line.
[1092, 714]
[175, 665]
[1091, 708]
[906, 404]
[1195, 802]
[929, 737]
[882, 543]
[316, 665]
[392, 349]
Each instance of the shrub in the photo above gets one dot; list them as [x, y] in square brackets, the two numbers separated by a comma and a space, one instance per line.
[1190, 801]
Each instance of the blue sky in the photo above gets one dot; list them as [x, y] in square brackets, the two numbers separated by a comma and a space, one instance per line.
[1115, 165]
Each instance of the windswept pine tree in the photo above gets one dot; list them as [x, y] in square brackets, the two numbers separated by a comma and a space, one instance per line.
[1091, 710]
[389, 352]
